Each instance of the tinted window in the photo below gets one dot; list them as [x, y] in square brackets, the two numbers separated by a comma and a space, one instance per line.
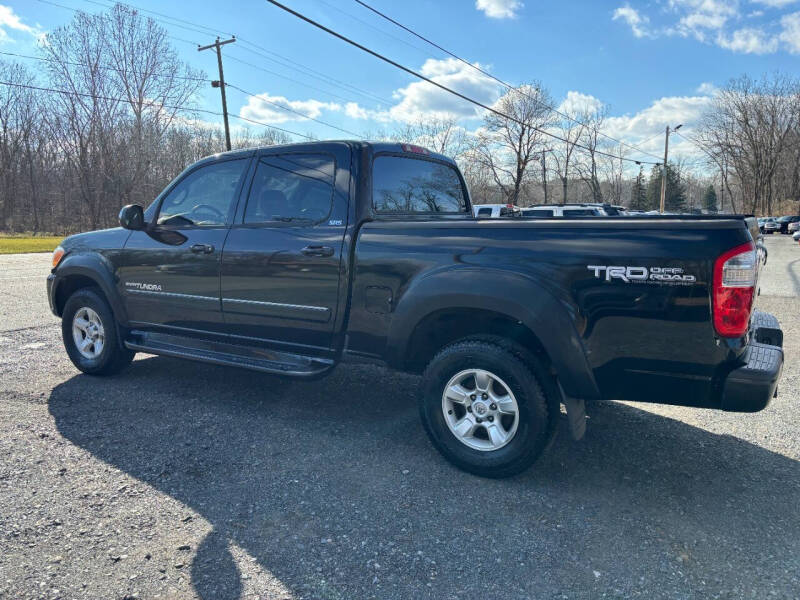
[407, 185]
[291, 187]
[537, 213]
[581, 212]
[485, 212]
[205, 196]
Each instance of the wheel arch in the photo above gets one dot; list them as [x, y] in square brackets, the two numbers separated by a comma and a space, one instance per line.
[81, 271]
[430, 315]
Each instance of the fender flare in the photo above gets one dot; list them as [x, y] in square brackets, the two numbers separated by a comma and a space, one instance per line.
[512, 294]
[97, 268]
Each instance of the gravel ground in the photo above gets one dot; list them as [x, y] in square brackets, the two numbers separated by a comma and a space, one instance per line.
[183, 480]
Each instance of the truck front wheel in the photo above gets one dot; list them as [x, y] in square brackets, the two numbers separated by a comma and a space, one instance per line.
[484, 408]
[90, 334]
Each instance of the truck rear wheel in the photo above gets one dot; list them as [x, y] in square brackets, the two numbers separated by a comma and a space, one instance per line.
[484, 408]
[90, 334]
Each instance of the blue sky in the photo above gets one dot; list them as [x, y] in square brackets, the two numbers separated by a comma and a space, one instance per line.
[654, 63]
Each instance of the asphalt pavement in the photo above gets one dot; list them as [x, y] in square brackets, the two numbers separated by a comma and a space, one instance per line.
[176, 479]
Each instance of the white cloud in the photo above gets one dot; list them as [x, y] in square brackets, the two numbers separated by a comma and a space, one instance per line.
[749, 40]
[576, 102]
[723, 23]
[791, 32]
[10, 20]
[263, 108]
[420, 99]
[499, 9]
[646, 127]
[636, 21]
[700, 16]
[707, 89]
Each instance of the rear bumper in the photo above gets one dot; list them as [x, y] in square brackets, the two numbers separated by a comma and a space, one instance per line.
[749, 388]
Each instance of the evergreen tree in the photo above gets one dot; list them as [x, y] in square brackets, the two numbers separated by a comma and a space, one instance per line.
[675, 196]
[639, 193]
[710, 199]
[675, 200]
[654, 189]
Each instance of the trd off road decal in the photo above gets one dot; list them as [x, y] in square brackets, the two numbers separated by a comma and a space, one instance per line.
[660, 275]
[137, 285]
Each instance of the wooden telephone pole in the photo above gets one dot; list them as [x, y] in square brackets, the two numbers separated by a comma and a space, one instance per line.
[664, 170]
[217, 45]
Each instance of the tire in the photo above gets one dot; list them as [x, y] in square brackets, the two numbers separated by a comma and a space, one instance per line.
[106, 354]
[510, 371]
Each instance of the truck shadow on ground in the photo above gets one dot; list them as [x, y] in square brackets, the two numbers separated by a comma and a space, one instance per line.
[315, 479]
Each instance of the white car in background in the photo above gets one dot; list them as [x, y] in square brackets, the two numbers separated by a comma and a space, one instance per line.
[494, 211]
[563, 210]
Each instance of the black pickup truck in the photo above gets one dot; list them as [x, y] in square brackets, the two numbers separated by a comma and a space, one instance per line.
[291, 259]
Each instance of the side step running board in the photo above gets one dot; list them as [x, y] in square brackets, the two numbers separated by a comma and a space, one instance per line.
[227, 354]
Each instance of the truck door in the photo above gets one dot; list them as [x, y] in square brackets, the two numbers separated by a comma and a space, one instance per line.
[282, 259]
[169, 273]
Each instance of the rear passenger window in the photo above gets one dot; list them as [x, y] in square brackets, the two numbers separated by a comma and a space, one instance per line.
[410, 185]
[484, 212]
[537, 213]
[291, 187]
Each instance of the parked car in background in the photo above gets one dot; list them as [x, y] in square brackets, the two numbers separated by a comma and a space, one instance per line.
[784, 222]
[562, 210]
[762, 221]
[794, 226]
[495, 211]
[771, 226]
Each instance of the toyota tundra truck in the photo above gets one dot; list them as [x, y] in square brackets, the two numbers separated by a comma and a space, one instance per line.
[292, 259]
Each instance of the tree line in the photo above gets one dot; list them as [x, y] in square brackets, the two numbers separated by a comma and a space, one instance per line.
[110, 119]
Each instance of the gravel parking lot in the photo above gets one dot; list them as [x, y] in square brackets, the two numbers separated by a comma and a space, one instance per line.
[184, 480]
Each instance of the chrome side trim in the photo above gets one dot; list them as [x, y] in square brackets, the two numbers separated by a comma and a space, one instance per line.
[277, 304]
[172, 295]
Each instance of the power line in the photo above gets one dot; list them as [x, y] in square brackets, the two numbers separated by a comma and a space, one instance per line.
[313, 73]
[439, 85]
[200, 28]
[78, 10]
[497, 79]
[157, 104]
[197, 27]
[105, 67]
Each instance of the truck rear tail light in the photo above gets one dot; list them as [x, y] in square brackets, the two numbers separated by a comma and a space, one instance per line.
[735, 275]
[414, 149]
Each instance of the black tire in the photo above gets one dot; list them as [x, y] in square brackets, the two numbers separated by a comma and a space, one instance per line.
[537, 422]
[113, 357]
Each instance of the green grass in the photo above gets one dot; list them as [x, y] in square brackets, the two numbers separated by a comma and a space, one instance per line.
[15, 244]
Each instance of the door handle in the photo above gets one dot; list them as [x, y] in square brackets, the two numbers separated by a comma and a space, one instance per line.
[317, 251]
[204, 248]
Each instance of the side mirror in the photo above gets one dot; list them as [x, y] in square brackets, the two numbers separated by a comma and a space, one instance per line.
[132, 217]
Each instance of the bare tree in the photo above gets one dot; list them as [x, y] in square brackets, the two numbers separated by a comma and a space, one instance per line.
[571, 129]
[507, 146]
[440, 134]
[19, 115]
[750, 125]
[126, 87]
[592, 118]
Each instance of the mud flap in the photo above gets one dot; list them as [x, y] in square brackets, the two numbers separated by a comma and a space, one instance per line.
[576, 415]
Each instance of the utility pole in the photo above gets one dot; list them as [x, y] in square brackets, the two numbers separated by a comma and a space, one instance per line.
[544, 173]
[664, 170]
[217, 45]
